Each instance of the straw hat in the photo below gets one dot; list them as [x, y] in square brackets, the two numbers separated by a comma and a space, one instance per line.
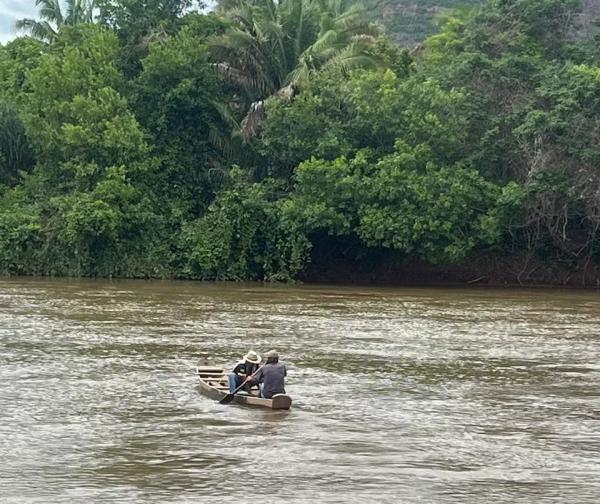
[252, 357]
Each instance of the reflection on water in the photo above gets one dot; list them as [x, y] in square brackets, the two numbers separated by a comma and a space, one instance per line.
[400, 395]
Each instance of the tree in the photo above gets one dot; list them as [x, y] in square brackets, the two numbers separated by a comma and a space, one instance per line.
[178, 99]
[245, 235]
[139, 23]
[338, 115]
[17, 58]
[404, 202]
[272, 48]
[533, 118]
[53, 17]
[498, 55]
[98, 213]
[560, 143]
[135, 19]
[15, 150]
[77, 86]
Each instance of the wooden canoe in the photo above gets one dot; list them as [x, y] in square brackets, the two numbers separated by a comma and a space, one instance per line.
[212, 382]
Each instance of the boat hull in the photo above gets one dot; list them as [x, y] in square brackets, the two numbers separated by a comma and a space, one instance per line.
[212, 382]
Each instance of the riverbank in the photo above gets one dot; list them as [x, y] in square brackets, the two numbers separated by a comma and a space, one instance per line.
[518, 270]
[483, 271]
[334, 261]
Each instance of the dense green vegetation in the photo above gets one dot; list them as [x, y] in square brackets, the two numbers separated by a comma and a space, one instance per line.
[156, 141]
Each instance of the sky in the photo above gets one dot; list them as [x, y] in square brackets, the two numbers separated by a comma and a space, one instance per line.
[10, 11]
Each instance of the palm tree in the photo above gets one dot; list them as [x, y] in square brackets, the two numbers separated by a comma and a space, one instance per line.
[53, 18]
[273, 47]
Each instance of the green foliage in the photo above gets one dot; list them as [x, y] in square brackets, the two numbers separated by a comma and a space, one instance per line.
[179, 101]
[307, 127]
[274, 48]
[20, 233]
[568, 113]
[138, 18]
[499, 56]
[337, 116]
[403, 202]
[16, 59]
[139, 23]
[415, 110]
[244, 235]
[104, 227]
[92, 161]
[121, 153]
[15, 151]
[75, 114]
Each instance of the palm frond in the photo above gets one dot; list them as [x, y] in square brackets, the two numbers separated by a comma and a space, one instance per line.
[50, 11]
[246, 57]
[251, 123]
[299, 75]
[296, 21]
[274, 47]
[364, 38]
[52, 17]
[73, 8]
[41, 30]
[352, 58]
[326, 40]
[247, 81]
[25, 24]
[225, 114]
[222, 142]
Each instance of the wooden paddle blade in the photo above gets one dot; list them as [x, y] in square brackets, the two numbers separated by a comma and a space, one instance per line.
[227, 399]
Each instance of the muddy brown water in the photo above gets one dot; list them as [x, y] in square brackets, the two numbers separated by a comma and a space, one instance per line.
[412, 395]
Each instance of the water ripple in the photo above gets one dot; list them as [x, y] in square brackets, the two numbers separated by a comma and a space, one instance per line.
[400, 395]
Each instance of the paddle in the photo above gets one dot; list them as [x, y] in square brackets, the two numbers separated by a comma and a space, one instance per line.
[229, 397]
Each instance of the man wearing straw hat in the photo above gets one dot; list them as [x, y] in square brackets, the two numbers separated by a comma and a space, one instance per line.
[243, 369]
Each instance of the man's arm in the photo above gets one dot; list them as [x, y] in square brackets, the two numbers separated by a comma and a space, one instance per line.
[258, 377]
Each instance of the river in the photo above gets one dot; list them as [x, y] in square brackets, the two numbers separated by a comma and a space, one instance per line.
[401, 395]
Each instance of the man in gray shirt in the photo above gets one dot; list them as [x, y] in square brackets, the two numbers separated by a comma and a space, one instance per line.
[271, 376]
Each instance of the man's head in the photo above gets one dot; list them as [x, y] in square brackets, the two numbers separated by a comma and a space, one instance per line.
[252, 357]
[272, 356]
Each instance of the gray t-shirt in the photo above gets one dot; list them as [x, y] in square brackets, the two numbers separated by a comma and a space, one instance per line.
[272, 377]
